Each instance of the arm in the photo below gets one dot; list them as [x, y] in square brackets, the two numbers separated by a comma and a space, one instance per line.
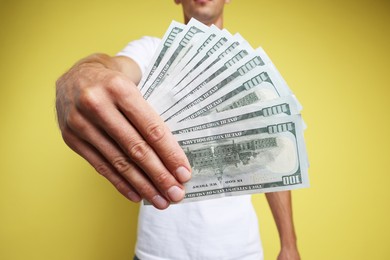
[280, 204]
[104, 118]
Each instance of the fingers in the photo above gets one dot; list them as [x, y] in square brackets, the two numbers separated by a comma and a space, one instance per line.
[155, 132]
[117, 162]
[104, 118]
[140, 133]
[101, 166]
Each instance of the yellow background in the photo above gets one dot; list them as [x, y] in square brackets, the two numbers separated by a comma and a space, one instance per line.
[333, 54]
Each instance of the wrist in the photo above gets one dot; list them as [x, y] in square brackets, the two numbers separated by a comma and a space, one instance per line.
[289, 242]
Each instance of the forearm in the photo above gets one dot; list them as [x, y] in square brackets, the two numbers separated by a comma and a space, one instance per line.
[281, 207]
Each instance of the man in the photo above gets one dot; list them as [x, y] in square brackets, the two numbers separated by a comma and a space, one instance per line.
[104, 118]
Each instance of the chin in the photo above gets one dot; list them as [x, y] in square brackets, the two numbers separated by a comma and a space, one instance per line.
[202, 2]
[203, 18]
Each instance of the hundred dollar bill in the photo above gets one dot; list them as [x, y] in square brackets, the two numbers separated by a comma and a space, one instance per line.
[197, 45]
[270, 64]
[255, 157]
[229, 57]
[207, 58]
[283, 106]
[240, 100]
[193, 27]
[262, 80]
[235, 76]
[199, 42]
[174, 29]
[203, 62]
[228, 60]
[193, 42]
[239, 63]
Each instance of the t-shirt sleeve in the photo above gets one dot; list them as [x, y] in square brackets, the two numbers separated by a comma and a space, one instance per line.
[141, 51]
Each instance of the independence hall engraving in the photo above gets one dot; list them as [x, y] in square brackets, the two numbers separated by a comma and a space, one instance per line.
[218, 157]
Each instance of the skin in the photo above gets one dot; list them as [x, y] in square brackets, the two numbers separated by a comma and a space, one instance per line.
[104, 118]
[206, 11]
[281, 208]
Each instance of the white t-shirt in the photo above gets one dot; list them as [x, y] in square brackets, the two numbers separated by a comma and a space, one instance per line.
[222, 229]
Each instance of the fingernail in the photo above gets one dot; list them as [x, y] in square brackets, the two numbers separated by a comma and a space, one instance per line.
[183, 174]
[175, 193]
[133, 196]
[159, 202]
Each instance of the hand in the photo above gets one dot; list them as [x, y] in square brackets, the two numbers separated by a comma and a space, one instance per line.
[289, 254]
[104, 118]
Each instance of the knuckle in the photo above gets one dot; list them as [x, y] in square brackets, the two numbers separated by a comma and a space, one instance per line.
[155, 133]
[121, 186]
[146, 190]
[103, 169]
[173, 158]
[89, 100]
[114, 80]
[67, 136]
[74, 121]
[116, 85]
[162, 179]
[139, 151]
[121, 164]
[120, 87]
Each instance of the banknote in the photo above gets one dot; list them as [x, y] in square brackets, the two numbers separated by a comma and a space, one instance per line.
[206, 45]
[238, 64]
[259, 80]
[174, 29]
[211, 71]
[283, 106]
[224, 45]
[231, 111]
[178, 46]
[201, 42]
[255, 157]
[203, 75]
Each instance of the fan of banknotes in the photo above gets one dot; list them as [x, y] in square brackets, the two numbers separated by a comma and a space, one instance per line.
[230, 110]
